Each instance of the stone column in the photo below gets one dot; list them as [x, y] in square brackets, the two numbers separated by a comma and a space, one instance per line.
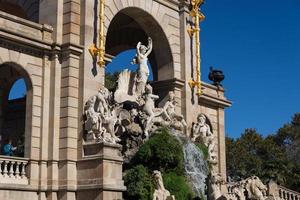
[92, 76]
[69, 116]
[100, 172]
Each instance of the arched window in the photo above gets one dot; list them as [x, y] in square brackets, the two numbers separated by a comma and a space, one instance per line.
[14, 86]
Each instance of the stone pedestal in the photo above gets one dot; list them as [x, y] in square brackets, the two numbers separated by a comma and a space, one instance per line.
[100, 172]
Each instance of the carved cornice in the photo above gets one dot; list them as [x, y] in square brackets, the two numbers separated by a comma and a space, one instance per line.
[169, 83]
[34, 47]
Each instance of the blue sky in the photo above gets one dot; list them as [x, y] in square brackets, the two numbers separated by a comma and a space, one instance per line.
[257, 45]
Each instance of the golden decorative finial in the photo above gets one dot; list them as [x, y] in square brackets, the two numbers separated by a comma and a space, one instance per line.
[100, 50]
[194, 31]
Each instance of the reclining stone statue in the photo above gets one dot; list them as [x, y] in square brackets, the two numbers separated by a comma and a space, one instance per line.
[175, 120]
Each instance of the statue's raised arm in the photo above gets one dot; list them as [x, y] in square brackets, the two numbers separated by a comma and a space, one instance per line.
[149, 47]
[138, 47]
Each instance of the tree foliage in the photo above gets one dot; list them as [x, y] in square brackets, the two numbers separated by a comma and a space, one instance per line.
[139, 184]
[178, 186]
[161, 152]
[111, 80]
[274, 157]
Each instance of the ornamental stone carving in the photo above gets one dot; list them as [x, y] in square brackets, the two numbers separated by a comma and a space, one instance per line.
[255, 188]
[101, 118]
[129, 115]
[160, 192]
[250, 188]
[215, 182]
[201, 132]
[141, 58]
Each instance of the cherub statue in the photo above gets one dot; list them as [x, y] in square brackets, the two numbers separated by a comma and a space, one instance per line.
[141, 58]
[160, 192]
[170, 113]
[149, 109]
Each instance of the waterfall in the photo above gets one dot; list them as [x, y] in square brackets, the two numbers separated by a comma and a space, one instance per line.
[195, 165]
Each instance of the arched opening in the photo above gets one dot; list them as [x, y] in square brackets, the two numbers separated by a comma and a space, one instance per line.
[133, 25]
[15, 98]
[26, 9]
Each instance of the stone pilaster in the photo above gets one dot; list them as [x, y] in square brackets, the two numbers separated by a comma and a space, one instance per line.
[69, 116]
[190, 107]
[55, 19]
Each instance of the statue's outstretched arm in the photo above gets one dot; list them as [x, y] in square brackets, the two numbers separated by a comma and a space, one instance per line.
[138, 48]
[150, 46]
[166, 106]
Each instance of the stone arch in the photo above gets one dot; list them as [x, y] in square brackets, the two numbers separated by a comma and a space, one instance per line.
[9, 73]
[142, 19]
[27, 9]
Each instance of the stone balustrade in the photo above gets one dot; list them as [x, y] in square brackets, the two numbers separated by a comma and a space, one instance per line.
[287, 194]
[13, 170]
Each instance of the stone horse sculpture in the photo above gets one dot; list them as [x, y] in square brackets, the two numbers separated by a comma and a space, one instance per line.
[160, 192]
[256, 190]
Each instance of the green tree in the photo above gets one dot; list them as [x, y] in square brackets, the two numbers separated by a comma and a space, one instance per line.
[111, 80]
[275, 157]
[161, 152]
[243, 155]
[288, 138]
[139, 184]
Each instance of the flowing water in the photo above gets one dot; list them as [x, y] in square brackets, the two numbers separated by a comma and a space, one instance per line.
[195, 165]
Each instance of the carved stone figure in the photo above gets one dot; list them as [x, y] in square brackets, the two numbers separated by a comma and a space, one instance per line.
[273, 190]
[110, 121]
[141, 58]
[160, 192]
[150, 109]
[216, 180]
[175, 120]
[101, 118]
[201, 130]
[238, 191]
[255, 188]
[95, 108]
[125, 89]
[131, 114]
